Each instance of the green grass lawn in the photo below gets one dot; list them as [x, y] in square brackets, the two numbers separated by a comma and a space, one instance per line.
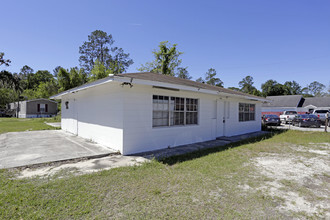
[205, 184]
[26, 124]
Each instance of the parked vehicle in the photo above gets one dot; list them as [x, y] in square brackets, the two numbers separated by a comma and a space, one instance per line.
[321, 114]
[7, 113]
[306, 120]
[270, 120]
[287, 116]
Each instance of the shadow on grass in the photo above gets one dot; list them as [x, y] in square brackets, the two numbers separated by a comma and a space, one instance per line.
[204, 152]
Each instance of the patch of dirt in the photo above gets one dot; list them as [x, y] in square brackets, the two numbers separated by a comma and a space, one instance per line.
[79, 167]
[301, 179]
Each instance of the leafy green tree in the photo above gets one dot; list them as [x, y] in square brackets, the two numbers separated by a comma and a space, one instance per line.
[7, 95]
[64, 80]
[246, 85]
[47, 89]
[99, 47]
[210, 78]
[292, 88]
[315, 89]
[183, 73]
[99, 71]
[70, 79]
[166, 60]
[6, 79]
[34, 79]
[4, 61]
[272, 88]
[23, 75]
[200, 80]
[55, 71]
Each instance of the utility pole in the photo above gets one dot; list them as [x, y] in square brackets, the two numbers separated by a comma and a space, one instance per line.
[326, 122]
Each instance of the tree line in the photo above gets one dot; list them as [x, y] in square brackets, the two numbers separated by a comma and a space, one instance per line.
[99, 58]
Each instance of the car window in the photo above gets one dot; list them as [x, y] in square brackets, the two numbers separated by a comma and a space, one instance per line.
[291, 112]
[321, 111]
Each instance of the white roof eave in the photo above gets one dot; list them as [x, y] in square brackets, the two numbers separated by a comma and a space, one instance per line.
[83, 87]
[186, 88]
[152, 83]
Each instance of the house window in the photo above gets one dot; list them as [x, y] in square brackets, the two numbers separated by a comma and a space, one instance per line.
[160, 114]
[42, 108]
[172, 111]
[246, 112]
[66, 105]
[191, 111]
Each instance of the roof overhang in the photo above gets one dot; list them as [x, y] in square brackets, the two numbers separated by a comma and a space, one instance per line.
[156, 85]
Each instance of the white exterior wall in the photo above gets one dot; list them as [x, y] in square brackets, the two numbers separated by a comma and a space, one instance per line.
[96, 114]
[140, 136]
[121, 118]
[236, 127]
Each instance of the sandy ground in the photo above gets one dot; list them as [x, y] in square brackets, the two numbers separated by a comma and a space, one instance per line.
[82, 167]
[301, 179]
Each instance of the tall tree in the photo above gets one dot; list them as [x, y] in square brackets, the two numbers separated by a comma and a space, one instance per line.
[4, 61]
[99, 71]
[99, 47]
[246, 85]
[70, 79]
[272, 88]
[33, 80]
[292, 88]
[200, 80]
[55, 71]
[23, 75]
[183, 73]
[210, 78]
[316, 89]
[166, 60]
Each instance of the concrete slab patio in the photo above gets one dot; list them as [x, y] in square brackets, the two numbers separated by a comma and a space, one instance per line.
[34, 147]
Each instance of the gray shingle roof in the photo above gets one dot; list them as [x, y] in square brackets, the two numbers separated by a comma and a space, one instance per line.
[184, 82]
[317, 101]
[283, 101]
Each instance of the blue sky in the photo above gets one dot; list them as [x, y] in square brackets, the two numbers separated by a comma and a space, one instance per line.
[282, 40]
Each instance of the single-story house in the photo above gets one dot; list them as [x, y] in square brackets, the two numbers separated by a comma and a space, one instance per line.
[139, 112]
[36, 108]
[297, 103]
[312, 103]
[278, 104]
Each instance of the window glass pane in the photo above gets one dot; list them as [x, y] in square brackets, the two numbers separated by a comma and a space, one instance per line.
[170, 111]
[246, 112]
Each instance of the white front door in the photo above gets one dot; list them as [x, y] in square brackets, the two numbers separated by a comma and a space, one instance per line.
[223, 112]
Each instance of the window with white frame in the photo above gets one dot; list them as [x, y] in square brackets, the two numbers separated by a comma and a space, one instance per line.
[246, 112]
[191, 111]
[172, 111]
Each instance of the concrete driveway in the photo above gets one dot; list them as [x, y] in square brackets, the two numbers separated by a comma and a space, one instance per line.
[33, 147]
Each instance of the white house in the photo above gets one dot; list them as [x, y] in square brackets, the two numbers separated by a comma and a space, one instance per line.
[138, 112]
